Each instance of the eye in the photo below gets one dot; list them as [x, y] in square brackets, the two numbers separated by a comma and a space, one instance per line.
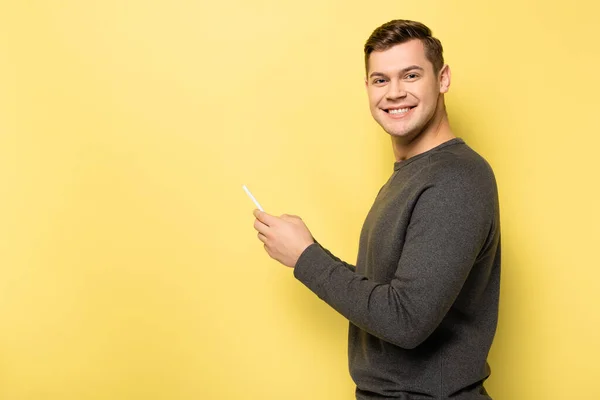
[378, 81]
[412, 77]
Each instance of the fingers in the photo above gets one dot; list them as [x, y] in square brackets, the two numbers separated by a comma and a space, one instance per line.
[269, 219]
[268, 251]
[261, 227]
[262, 238]
[264, 217]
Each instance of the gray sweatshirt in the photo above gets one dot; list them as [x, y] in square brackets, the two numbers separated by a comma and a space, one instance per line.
[422, 300]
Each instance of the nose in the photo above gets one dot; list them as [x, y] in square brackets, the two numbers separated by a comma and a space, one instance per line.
[395, 90]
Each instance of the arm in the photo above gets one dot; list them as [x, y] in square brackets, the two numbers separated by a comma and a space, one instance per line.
[335, 258]
[447, 230]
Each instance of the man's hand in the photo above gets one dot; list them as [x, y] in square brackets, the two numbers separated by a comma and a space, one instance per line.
[284, 238]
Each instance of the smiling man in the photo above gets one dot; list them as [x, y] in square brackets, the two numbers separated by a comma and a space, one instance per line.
[422, 300]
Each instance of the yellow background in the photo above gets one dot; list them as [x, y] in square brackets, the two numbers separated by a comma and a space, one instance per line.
[129, 268]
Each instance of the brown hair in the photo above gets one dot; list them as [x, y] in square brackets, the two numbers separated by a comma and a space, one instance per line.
[400, 31]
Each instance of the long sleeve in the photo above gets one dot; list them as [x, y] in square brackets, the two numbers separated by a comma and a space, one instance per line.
[334, 257]
[447, 230]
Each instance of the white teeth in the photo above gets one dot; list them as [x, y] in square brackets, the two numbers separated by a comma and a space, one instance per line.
[399, 111]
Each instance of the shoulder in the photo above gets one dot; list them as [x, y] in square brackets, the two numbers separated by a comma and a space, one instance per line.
[460, 165]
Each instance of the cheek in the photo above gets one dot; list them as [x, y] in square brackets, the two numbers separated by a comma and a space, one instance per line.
[432, 92]
[374, 97]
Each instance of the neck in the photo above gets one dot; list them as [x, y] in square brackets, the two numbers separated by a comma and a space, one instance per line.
[436, 133]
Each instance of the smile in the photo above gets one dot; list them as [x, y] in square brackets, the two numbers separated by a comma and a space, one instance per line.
[398, 112]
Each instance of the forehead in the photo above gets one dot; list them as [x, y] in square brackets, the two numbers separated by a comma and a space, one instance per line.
[399, 57]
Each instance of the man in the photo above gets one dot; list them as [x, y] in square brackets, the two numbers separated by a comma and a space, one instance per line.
[422, 300]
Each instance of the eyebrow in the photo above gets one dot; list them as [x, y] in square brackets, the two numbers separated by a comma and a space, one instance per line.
[403, 71]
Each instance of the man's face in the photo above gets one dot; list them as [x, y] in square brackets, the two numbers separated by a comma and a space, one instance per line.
[403, 89]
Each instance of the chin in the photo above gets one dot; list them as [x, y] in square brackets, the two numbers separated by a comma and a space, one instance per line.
[399, 131]
[407, 135]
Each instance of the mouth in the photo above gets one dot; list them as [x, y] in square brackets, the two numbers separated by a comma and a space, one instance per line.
[396, 111]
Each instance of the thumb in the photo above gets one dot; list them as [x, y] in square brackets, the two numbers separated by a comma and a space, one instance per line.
[289, 217]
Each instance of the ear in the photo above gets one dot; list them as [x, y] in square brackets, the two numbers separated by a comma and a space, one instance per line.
[445, 78]
[366, 83]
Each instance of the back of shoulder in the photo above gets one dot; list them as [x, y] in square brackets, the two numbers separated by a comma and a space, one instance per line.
[462, 165]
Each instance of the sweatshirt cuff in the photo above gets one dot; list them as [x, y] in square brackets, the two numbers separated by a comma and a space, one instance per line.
[311, 265]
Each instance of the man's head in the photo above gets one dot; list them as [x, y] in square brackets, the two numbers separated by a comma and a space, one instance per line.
[401, 31]
[406, 78]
